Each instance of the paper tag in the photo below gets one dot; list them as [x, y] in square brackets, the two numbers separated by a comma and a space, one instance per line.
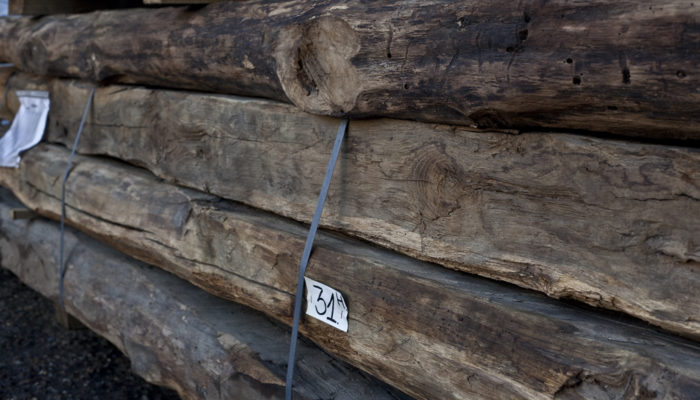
[326, 304]
[27, 127]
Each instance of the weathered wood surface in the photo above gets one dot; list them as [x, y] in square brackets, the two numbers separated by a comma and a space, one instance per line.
[429, 331]
[610, 223]
[626, 67]
[175, 334]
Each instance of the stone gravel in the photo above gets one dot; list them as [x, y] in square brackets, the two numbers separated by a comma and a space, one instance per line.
[39, 359]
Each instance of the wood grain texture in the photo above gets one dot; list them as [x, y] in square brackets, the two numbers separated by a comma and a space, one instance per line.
[624, 67]
[175, 335]
[613, 224]
[429, 331]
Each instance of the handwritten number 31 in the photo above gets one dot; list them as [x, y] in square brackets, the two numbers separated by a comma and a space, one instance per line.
[326, 305]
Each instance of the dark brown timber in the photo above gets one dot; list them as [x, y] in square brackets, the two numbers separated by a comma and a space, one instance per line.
[613, 224]
[626, 67]
[174, 334]
[431, 332]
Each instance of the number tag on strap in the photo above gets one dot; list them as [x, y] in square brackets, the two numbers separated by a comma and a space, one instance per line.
[326, 304]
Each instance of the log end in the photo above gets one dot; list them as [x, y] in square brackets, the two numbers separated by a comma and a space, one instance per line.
[313, 65]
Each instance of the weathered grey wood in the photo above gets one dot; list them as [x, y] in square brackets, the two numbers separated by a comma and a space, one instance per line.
[431, 332]
[627, 67]
[613, 224]
[175, 334]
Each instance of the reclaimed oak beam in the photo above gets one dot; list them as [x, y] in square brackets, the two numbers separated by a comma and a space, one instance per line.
[610, 223]
[624, 67]
[429, 331]
[175, 335]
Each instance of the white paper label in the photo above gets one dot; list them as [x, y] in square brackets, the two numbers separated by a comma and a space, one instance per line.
[326, 304]
[27, 127]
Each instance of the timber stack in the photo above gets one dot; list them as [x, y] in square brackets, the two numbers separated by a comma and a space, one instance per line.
[515, 212]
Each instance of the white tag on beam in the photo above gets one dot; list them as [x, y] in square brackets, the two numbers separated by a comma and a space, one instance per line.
[326, 304]
[27, 127]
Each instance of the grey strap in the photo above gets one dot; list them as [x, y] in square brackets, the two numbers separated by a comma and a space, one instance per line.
[7, 90]
[307, 253]
[61, 271]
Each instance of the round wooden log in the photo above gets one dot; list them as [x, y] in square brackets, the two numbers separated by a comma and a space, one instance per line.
[625, 67]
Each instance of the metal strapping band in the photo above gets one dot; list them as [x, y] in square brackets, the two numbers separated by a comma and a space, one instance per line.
[307, 253]
[61, 271]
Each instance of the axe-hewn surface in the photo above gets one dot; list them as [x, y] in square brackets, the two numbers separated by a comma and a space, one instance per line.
[432, 332]
[174, 334]
[610, 223]
[626, 67]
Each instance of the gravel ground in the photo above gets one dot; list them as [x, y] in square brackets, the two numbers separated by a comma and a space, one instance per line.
[39, 359]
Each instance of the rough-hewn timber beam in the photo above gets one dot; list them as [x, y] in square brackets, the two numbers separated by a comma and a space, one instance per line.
[610, 223]
[627, 67]
[174, 334]
[431, 332]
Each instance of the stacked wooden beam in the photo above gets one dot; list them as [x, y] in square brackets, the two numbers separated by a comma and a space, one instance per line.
[550, 212]
[216, 188]
[628, 67]
[174, 334]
